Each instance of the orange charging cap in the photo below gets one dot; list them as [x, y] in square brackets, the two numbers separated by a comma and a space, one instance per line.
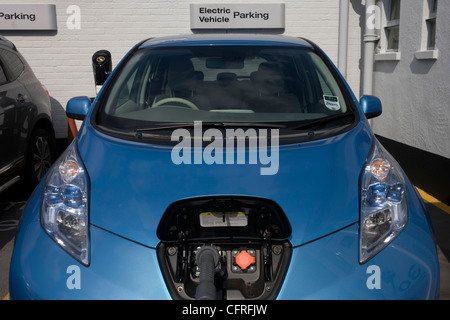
[244, 259]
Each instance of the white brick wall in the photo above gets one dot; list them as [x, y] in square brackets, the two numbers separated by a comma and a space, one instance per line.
[415, 92]
[62, 60]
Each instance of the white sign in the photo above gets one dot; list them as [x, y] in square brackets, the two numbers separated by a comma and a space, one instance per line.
[237, 16]
[28, 17]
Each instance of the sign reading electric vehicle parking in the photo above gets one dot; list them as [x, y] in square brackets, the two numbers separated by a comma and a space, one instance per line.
[237, 16]
[28, 17]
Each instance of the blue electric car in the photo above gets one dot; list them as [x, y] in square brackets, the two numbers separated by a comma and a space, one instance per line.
[225, 167]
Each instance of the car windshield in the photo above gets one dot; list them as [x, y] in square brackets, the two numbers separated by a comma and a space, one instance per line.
[162, 87]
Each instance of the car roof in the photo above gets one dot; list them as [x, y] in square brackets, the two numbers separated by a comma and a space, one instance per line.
[225, 39]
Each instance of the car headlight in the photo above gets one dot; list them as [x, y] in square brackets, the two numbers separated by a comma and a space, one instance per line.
[64, 207]
[384, 203]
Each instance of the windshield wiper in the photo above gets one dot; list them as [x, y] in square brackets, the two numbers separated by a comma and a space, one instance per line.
[210, 125]
[321, 121]
[176, 125]
[254, 125]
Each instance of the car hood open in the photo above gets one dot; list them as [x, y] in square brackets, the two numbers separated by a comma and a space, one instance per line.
[132, 184]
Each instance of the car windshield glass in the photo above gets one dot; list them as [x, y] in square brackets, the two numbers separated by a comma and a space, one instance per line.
[287, 86]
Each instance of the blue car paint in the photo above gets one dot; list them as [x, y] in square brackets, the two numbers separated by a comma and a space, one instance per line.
[135, 202]
[326, 268]
[325, 237]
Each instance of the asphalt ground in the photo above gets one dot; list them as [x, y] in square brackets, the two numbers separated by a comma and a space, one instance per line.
[13, 200]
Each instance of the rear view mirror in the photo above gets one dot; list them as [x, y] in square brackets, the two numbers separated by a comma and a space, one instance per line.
[371, 106]
[219, 63]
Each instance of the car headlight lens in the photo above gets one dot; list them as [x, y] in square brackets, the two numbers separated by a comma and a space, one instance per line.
[64, 208]
[384, 203]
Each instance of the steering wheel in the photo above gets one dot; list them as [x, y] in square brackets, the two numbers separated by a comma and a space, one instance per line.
[174, 99]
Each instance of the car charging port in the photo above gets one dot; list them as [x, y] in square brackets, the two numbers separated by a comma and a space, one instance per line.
[202, 257]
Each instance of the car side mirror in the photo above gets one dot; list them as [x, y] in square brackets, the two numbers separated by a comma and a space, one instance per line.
[371, 106]
[77, 108]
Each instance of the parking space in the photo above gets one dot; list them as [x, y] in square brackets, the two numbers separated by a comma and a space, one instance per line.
[13, 200]
[286, 84]
[440, 217]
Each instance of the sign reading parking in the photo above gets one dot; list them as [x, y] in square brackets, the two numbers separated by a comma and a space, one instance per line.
[237, 16]
[28, 17]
